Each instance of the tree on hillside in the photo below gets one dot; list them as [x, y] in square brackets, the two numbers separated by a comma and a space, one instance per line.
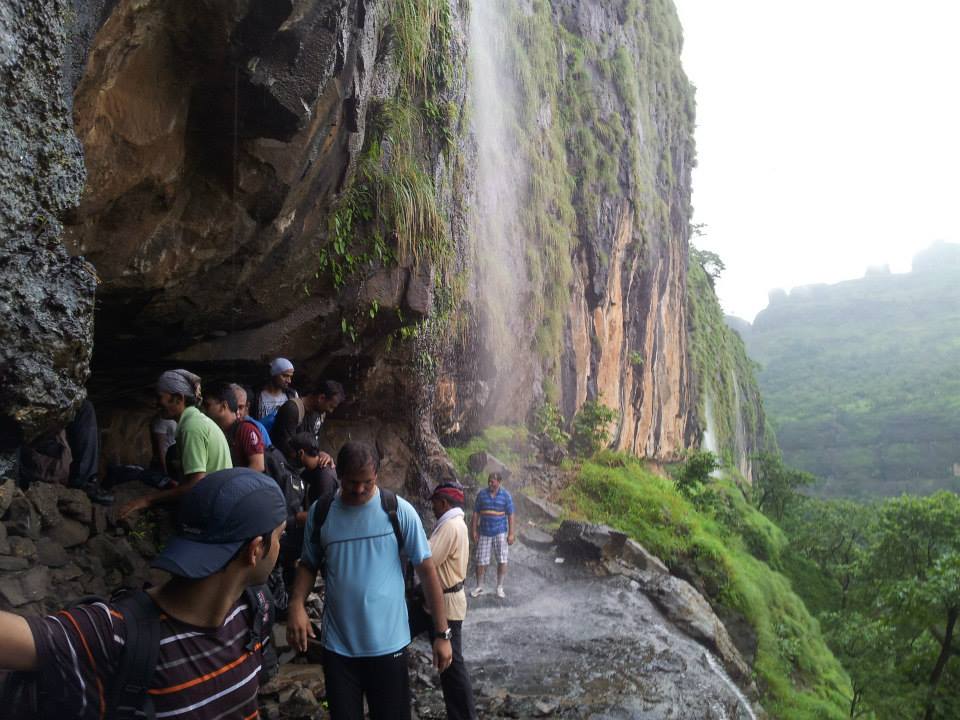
[834, 536]
[775, 486]
[913, 573]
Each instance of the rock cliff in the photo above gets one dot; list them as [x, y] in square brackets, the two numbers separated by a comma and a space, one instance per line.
[46, 296]
[305, 178]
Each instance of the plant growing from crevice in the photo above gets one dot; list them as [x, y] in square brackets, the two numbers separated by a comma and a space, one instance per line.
[591, 428]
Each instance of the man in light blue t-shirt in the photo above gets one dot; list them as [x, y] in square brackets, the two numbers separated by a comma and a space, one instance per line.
[365, 626]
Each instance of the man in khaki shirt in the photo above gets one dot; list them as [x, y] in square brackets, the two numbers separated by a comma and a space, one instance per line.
[450, 547]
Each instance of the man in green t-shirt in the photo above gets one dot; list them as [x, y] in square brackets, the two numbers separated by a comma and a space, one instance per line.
[201, 445]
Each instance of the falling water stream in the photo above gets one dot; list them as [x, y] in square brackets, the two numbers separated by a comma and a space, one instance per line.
[501, 175]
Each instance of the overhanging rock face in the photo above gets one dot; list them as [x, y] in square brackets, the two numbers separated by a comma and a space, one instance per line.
[46, 297]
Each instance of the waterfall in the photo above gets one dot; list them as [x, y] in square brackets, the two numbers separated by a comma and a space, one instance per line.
[501, 179]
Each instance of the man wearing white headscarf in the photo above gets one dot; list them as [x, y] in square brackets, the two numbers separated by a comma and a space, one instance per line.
[275, 393]
[201, 445]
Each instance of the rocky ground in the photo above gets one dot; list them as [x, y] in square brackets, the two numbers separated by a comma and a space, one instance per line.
[593, 625]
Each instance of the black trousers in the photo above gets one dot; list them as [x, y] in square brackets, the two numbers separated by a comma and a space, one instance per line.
[83, 437]
[384, 680]
[454, 681]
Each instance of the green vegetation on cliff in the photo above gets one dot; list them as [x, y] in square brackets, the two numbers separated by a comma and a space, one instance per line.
[861, 379]
[734, 553]
[729, 404]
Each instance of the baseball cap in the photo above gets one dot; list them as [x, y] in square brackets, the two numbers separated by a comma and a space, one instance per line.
[219, 514]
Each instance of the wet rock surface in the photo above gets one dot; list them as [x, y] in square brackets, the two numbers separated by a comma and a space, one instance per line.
[567, 643]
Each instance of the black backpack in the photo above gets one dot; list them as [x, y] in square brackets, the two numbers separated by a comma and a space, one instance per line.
[22, 699]
[289, 480]
[321, 508]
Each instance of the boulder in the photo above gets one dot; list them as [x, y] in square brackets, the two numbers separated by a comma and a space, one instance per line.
[530, 507]
[68, 572]
[637, 555]
[69, 533]
[51, 553]
[116, 554]
[22, 547]
[7, 489]
[18, 589]
[4, 543]
[9, 564]
[45, 498]
[483, 463]
[22, 518]
[75, 504]
[586, 542]
[536, 538]
[688, 610]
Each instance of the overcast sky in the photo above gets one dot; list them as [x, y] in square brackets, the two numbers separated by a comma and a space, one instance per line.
[827, 137]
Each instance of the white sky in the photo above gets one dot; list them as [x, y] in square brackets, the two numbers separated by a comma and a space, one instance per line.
[827, 137]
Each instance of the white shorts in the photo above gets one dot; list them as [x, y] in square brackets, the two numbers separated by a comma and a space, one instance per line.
[499, 545]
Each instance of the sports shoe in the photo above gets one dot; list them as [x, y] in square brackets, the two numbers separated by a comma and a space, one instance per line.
[477, 591]
[500, 593]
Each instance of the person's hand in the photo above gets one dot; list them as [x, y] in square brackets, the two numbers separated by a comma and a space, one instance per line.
[442, 654]
[510, 539]
[298, 627]
[476, 538]
[131, 507]
[325, 460]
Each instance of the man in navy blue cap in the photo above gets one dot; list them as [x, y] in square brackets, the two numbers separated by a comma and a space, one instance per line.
[209, 658]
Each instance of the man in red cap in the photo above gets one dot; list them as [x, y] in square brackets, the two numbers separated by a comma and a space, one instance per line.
[450, 547]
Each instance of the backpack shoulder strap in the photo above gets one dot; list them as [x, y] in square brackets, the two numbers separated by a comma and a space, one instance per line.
[321, 508]
[128, 692]
[301, 410]
[256, 597]
[388, 501]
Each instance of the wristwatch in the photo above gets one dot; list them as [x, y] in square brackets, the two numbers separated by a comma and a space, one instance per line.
[446, 634]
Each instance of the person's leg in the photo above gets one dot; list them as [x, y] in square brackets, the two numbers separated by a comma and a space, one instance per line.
[455, 681]
[387, 686]
[483, 559]
[84, 440]
[342, 676]
[501, 548]
[83, 437]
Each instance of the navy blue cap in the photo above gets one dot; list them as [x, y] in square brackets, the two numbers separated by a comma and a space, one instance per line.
[219, 514]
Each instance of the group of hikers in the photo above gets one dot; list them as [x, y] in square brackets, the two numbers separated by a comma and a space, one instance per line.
[261, 509]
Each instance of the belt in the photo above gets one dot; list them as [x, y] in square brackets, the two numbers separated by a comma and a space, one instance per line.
[456, 588]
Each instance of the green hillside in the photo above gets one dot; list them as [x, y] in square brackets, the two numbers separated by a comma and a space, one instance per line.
[861, 380]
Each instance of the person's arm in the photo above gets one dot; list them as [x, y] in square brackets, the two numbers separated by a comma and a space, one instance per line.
[142, 503]
[18, 650]
[298, 624]
[474, 526]
[251, 444]
[433, 593]
[510, 536]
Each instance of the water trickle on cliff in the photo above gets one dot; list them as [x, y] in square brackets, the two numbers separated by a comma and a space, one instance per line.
[500, 179]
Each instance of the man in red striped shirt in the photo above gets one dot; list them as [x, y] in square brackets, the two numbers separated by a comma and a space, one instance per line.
[209, 658]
